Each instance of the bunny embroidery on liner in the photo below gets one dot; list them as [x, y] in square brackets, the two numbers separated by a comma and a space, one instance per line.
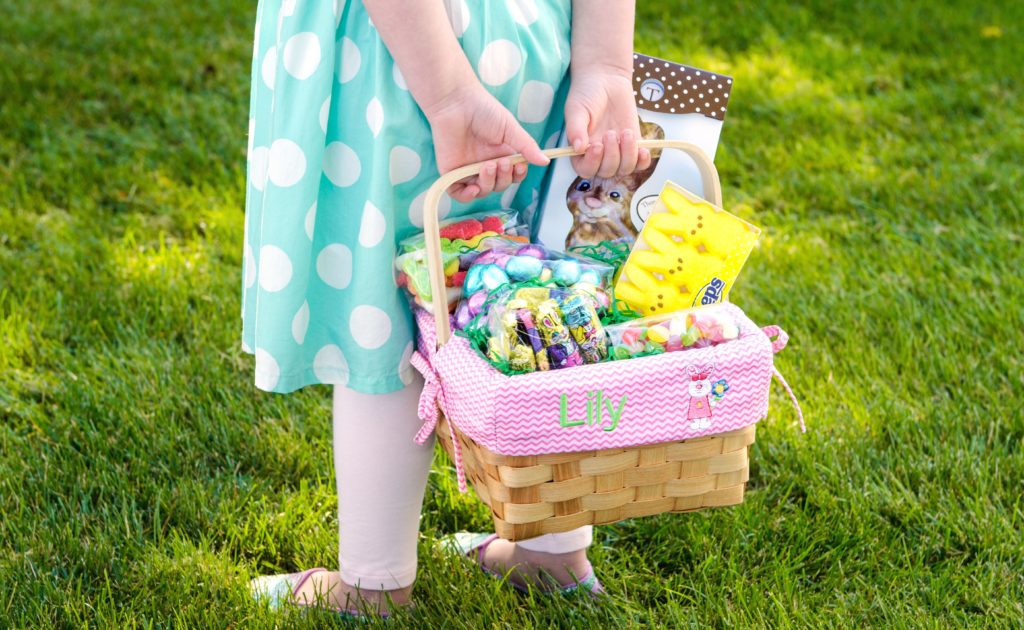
[704, 395]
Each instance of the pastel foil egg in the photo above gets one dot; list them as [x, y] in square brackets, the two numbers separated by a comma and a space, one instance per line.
[522, 267]
[462, 316]
[474, 278]
[532, 251]
[566, 271]
[476, 302]
[591, 277]
[487, 257]
[494, 277]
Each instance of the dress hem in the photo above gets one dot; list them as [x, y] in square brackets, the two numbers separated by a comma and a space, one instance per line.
[341, 376]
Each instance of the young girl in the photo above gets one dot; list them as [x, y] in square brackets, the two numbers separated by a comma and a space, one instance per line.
[357, 106]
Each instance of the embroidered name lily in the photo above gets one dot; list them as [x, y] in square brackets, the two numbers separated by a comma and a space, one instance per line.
[599, 410]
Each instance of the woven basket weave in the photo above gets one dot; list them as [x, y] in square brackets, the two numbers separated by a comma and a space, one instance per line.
[546, 494]
[549, 493]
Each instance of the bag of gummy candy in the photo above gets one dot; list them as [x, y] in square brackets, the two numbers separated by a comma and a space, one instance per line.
[680, 330]
[461, 240]
[506, 262]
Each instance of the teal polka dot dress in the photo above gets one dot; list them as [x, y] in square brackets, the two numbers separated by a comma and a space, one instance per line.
[339, 160]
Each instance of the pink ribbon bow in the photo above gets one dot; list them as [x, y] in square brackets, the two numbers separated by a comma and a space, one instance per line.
[430, 409]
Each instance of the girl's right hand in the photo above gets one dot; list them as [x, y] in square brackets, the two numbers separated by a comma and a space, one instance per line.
[471, 126]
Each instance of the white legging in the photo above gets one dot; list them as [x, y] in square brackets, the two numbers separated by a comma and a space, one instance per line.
[382, 474]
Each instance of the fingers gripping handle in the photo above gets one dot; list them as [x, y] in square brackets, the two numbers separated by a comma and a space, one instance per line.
[435, 266]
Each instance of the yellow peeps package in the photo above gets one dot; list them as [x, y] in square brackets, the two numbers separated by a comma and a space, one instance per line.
[688, 254]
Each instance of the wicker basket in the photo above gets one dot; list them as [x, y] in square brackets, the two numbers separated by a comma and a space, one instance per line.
[545, 494]
[534, 495]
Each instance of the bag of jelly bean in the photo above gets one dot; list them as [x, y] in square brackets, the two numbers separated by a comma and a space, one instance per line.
[462, 239]
[680, 330]
[507, 262]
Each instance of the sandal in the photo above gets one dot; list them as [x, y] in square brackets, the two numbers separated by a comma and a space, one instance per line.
[280, 590]
[474, 546]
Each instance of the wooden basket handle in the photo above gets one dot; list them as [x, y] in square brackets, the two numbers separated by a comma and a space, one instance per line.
[435, 266]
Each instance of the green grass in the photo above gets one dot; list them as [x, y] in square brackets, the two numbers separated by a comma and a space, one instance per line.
[143, 480]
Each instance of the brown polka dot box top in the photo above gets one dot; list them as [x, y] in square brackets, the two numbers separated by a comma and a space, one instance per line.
[672, 88]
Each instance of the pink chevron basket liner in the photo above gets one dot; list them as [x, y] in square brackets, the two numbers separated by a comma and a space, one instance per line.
[523, 414]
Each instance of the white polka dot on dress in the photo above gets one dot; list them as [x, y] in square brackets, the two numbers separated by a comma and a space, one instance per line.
[275, 269]
[535, 102]
[509, 195]
[499, 62]
[349, 60]
[459, 17]
[341, 164]
[258, 162]
[252, 136]
[375, 116]
[301, 55]
[552, 140]
[330, 366]
[396, 74]
[404, 164]
[250, 266]
[372, 227]
[300, 323]
[370, 326]
[268, 69]
[325, 111]
[524, 12]
[416, 208]
[287, 163]
[405, 371]
[267, 370]
[334, 265]
[310, 221]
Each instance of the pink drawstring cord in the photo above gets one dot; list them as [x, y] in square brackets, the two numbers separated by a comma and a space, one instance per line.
[430, 409]
[778, 343]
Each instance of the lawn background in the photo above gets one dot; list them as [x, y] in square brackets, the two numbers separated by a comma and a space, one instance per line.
[143, 479]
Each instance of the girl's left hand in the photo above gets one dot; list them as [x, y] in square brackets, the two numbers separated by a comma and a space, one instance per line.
[600, 115]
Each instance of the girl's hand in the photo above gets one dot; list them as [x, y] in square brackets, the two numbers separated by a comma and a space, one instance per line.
[471, 126]
[600, 116]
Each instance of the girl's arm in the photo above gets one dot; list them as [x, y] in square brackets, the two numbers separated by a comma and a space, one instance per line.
[468, 124]
[600, 112]
[420, 38]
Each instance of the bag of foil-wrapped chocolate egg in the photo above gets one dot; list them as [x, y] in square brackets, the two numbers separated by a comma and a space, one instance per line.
[510, 263]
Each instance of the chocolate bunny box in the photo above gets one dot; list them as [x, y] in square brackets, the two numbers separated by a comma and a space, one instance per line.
[675, 102]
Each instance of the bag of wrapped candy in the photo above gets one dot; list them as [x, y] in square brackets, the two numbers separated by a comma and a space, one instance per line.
[506, 262]
[535, 328]
[681, 330]
[462, 240]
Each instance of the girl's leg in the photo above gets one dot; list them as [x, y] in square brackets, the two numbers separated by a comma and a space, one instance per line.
[558, 557]
[574, 540]
[381, 475]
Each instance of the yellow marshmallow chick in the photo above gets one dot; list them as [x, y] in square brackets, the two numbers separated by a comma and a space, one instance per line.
[689, 253]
